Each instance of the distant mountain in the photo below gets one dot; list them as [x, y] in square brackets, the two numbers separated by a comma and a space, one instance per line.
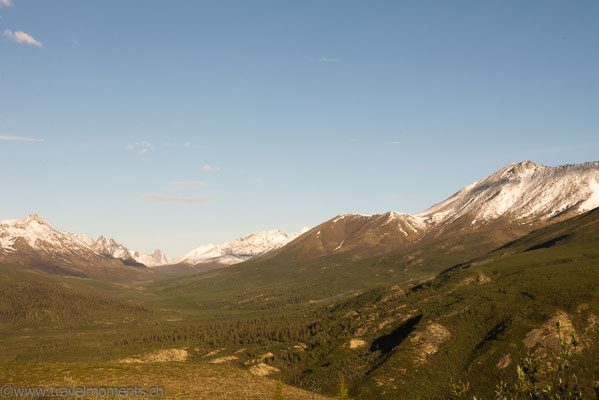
[34, 242]
[109, 247]
[238, 250]
[504, 206]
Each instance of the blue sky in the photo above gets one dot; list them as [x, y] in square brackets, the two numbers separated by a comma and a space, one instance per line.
[174, 124]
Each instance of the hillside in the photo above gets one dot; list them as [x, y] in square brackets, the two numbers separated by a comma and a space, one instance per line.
[355, 252]
[472, 323]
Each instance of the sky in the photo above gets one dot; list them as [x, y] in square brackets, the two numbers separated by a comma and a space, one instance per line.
[174, 124]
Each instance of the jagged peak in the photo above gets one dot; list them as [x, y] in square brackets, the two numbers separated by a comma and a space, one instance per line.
[522, 190]
[26, 220]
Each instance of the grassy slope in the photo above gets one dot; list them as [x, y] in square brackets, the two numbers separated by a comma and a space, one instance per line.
[179, 380]
[461, 324]
[284, 279]
[484, 322]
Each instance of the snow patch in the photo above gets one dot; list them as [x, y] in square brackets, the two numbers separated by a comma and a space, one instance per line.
[593, 200]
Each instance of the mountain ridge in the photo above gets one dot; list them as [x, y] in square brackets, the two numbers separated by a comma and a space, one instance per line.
[522, 195]
[240, 249]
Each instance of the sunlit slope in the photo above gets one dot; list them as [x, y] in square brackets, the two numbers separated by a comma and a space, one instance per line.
[285, 279]
[179, 380]
[473, 323]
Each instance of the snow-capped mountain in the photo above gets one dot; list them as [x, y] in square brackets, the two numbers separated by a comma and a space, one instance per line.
[521, 196]
[41, 236]
[45, 239]
[109, 247]
[521, 192]
[240, 249]
[37, 244]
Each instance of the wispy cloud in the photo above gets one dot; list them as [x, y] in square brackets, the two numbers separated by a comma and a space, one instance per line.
[142, 147]
[164, 198]
[187, 184]
[20, 138]
[395, 142]
[21, 37]
[391, 197]
[187, 144]
[7, 3]
[210, 168]
[328, 60]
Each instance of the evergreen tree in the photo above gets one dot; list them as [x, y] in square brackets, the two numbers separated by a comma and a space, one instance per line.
[278, 391]
[343, 392]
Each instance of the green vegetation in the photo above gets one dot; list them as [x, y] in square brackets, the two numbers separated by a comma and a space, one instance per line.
[278, 395]
[449, 311]
[343, 393]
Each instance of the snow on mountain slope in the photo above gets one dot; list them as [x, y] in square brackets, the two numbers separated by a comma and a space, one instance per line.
[524, 196]
[109, 247]
[41, 236]
[239, 249]
[521, 191]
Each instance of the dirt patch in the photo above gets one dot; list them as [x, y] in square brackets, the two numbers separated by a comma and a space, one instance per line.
[158, 356]
[260, 358]
[505, 361]
[356, 343]
[582, 307]
[224, 359]
[593, 321]
[482, 279]
[466, 281]
[429, 340]
[546, 336]
[263, 369]
[213, 353]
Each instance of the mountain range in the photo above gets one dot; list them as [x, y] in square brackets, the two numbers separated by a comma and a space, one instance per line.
[32, 240]
[400, 306]
[518, 197]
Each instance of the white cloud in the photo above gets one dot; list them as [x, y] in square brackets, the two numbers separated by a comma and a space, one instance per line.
[7, 3]
[210, 168]
[163, 198]
[144, 146]
[21, 37]
[395, 142]
[328, 60]
[187, 144]
[19, 138]
[187, 184]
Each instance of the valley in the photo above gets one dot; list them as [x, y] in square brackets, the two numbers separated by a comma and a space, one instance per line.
[398, 306]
